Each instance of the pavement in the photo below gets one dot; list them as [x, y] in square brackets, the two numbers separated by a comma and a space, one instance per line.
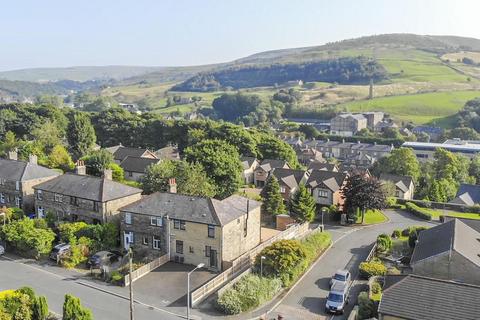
[153, 300]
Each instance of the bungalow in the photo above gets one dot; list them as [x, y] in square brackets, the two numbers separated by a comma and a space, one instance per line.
[325, 187]
[449, 251]
[192, 230]
[289, 180]
[17, 179]
[120, 153]
[404, 187]
[467, 194]
[249, 164]
[81, 197]
[134, 168]
[262, 171]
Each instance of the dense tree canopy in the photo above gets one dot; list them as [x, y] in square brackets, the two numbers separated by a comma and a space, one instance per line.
[81, 135]
[401, 161]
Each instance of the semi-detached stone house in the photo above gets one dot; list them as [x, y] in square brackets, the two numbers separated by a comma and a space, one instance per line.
[17, 179]
[326, 186]
[80, 197]
[192, 229]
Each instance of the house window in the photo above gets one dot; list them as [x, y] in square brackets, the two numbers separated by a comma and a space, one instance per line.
[156, 242]
[96, 206]
[156, 221]
[18, 201]
[2, 198]
[179, 224]
[282, 189]
[74, 201]
[397, 193]
[207, 251]
[190, 249]
[211, 231]
[130, 173]
[58, 197]
[145, 241]
[17, 185]
[179, 246]
[2, 181]
[128, 218]
[40, 212]
[322, 194]
[39, 195]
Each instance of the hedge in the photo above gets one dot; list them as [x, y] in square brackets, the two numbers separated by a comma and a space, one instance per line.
[418, 211]
[368, 269]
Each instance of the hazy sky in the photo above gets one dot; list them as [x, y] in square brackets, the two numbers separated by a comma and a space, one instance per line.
[53, 33]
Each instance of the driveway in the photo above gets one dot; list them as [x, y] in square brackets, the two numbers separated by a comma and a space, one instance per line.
[166, 286]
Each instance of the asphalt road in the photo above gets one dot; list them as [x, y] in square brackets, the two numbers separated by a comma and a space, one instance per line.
[305, 301]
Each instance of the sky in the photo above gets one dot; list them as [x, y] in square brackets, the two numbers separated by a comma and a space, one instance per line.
[62, 33]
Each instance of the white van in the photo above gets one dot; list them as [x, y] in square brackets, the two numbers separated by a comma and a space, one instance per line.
[337, 298]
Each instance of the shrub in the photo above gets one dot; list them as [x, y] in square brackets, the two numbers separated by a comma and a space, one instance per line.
[376, 288]
[78, 252]
[384, 243]
[413, 236]
[40, 309]
[68, 230]
[372, 268]
[391, 202]
[116, 277]
[397, 233]
[406, 232]
[73, 310]
[366, 307]
[418, 211]
[249, 292]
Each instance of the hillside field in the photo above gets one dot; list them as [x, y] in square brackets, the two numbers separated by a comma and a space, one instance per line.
[428, 108]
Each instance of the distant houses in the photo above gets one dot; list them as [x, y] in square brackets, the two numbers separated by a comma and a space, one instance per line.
[120, 152]
[262, 172]
[404, 186]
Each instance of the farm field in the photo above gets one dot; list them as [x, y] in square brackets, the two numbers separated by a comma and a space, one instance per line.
[424, 108]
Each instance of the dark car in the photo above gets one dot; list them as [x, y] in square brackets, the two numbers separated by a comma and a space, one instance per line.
[59, 251]
[102, 258]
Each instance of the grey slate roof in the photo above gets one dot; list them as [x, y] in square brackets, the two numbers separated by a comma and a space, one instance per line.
[290, 177]
[190, 208]
[316, 165]
[269, 164]
[137, 164]
[422, 298]
[452, 235]
[468, 194]
[16, 170]
[247, 162]
[326, 179]
[120, 152]
[402, 182]
[168, 153]
[87, 187]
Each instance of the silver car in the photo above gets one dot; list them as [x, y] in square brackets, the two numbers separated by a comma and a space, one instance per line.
[341, 276]
[337, 298]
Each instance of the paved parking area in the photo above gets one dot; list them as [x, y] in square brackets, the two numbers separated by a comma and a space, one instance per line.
[166, 286]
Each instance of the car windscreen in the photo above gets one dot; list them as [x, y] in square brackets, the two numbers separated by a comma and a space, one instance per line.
[339, 277]
[334, 297]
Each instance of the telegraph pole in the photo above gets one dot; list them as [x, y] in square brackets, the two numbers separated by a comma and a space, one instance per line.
[130, 256]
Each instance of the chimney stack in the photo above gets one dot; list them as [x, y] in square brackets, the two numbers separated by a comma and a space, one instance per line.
[13, 155]
[80, 168]
[33, 159]
[108, 174]
[172, 185]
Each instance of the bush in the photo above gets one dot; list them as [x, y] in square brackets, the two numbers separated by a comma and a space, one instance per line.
[384, 243]
[406, 232]
[116, 277]
[413, 236]
[418, 211]
[391, 202]
[69, 230]
[78, 253]
[40, 309]
[376, 288]
[249, 292]
[372, 268]
[73, 310]
[366, 307]
[397, 233]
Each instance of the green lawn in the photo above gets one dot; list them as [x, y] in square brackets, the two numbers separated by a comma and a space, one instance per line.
[372, 217]
[437, 213]
[423, 108]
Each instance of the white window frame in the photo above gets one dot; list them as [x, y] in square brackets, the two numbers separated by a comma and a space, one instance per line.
[2, 181]
[322, 194]
[145, 241]
[283, 189]
[2, 198]
[156, 221]
[17, 185]
[58, 197]
[128, 218]
[40, 212]
[18, 200]
[156, 244]
[39, 195]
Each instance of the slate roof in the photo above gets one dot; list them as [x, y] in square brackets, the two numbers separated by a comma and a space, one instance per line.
[326, 179]
[137, 164]
[247, 162]
[401, 182]
[168, 152]
[290, 177]
[87, 187]
[452, 235]
[120, 152]
[316, 165]
[191, 208]
[468, 194]
[422, 298]
[269, 164]
[16, 170]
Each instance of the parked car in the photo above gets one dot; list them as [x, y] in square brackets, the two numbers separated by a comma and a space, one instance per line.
[337, 298]
[341, 276]
[2, 250]
[60, 250]
[103, 258]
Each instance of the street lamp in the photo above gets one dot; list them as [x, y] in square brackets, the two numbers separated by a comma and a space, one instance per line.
[261, 265]
[201, 265]
[322, 227]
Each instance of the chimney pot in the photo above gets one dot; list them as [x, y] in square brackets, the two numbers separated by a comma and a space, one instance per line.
[33, 159]
[172, 185]
[80, 168]
[13, 155]
[108, 174]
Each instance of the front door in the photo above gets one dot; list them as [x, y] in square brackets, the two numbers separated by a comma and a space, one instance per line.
[127, 239]
[213, 259]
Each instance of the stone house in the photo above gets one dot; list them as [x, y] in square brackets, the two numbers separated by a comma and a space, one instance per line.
[449, 251]
[17, 179]
[134, 168]
[120, 153]
[82, 197]
[190, 229]
[249, 164]
[325, 166]
[289, 180]
[404, 187]
[262, 172]
[416, 297]
[325, 187]
[347, 124]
